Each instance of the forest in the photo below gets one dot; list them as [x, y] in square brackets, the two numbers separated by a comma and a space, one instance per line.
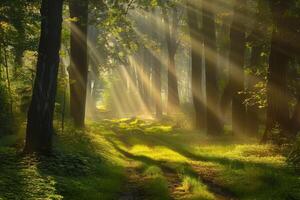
[149, 99]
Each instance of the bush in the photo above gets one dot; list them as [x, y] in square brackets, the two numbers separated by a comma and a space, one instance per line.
[5, 113]
[294, 155]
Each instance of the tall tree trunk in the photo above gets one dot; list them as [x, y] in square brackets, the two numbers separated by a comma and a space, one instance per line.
[196, 48]
[252, 115]
[79, 64]
[93, 75]
[8, 80]
[157, 90]
[173, 96]
[210, 48]
[277, 102]
[157, 67]
[40, 115]
[237, 77]
[147, 78]
[19, 24]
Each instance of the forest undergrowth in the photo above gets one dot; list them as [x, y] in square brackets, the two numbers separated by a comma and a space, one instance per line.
[143, 159]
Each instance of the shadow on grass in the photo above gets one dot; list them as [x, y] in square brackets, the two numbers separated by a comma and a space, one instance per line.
[178, 168]
[267, 179]
[75, 170]
[20, 178]
[168, 141]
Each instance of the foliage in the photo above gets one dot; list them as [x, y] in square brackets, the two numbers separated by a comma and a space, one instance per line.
[294, 155]
[6, 118]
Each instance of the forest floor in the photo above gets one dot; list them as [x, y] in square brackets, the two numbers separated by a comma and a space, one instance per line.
[131, 159]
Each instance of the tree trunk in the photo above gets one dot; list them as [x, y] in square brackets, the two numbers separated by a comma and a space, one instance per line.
[79, 65]
[252, 115]
[173, 96]
[277, 102]
[196, 48]
[40, 115]
[209, 33]
[94, 60]
[237, 77]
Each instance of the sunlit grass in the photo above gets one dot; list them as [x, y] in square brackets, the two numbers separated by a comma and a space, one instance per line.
[246, 170]
[159, 153]
[92, 164]
[196, 188]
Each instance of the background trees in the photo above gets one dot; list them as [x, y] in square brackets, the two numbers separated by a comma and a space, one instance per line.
[160, 91]
[202, 60]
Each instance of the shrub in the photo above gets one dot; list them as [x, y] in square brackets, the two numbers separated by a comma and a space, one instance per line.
[5, 113]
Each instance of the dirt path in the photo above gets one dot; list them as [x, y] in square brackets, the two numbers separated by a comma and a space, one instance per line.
[208, 177]
[133, 188]
[174, 186]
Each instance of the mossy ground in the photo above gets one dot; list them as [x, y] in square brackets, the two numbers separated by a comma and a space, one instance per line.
[166, 163]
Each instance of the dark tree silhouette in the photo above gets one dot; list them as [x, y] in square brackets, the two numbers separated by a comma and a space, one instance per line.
[237, 58]
[79, 65]
[277, 108]
[196, 57]
[209, 38]
[40, 115]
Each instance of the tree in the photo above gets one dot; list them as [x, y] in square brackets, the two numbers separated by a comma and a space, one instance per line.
[196, 56]
[172, 45]
[236, 75]
[157, 75]
[210, 51]
[40, 115]
[79, 65]
[277, 102]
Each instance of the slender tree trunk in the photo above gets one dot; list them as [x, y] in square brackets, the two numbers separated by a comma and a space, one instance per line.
[40, 115]
[173, 96]
[79, 64]
[277, 102]
[20, 46]
[252, 115]
[157, 87]
[8, 81]
[211, 65]
[147, 78]
[156, 69]
[237, 77]
[94, 57]
[196, 48]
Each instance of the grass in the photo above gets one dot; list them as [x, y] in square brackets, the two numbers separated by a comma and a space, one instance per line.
[245, 170]
[169, 162]
[81, 167]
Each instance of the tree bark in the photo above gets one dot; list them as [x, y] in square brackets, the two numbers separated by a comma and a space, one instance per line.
[237, 77]
[173, 96]
[79, 65]
[40, 115]
[210, 50]
[196, 48]
[277, 102]
[252, 114]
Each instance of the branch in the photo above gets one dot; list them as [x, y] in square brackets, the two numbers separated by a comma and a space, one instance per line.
[129, 6]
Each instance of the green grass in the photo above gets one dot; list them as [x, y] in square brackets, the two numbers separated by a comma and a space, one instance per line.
[246, 170]
[92, 164]
[84, 166]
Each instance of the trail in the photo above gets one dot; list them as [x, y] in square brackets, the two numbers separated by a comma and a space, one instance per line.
[133, 189]
[207, 176]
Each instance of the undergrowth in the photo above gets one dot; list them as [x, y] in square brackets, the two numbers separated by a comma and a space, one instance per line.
[91, 164]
